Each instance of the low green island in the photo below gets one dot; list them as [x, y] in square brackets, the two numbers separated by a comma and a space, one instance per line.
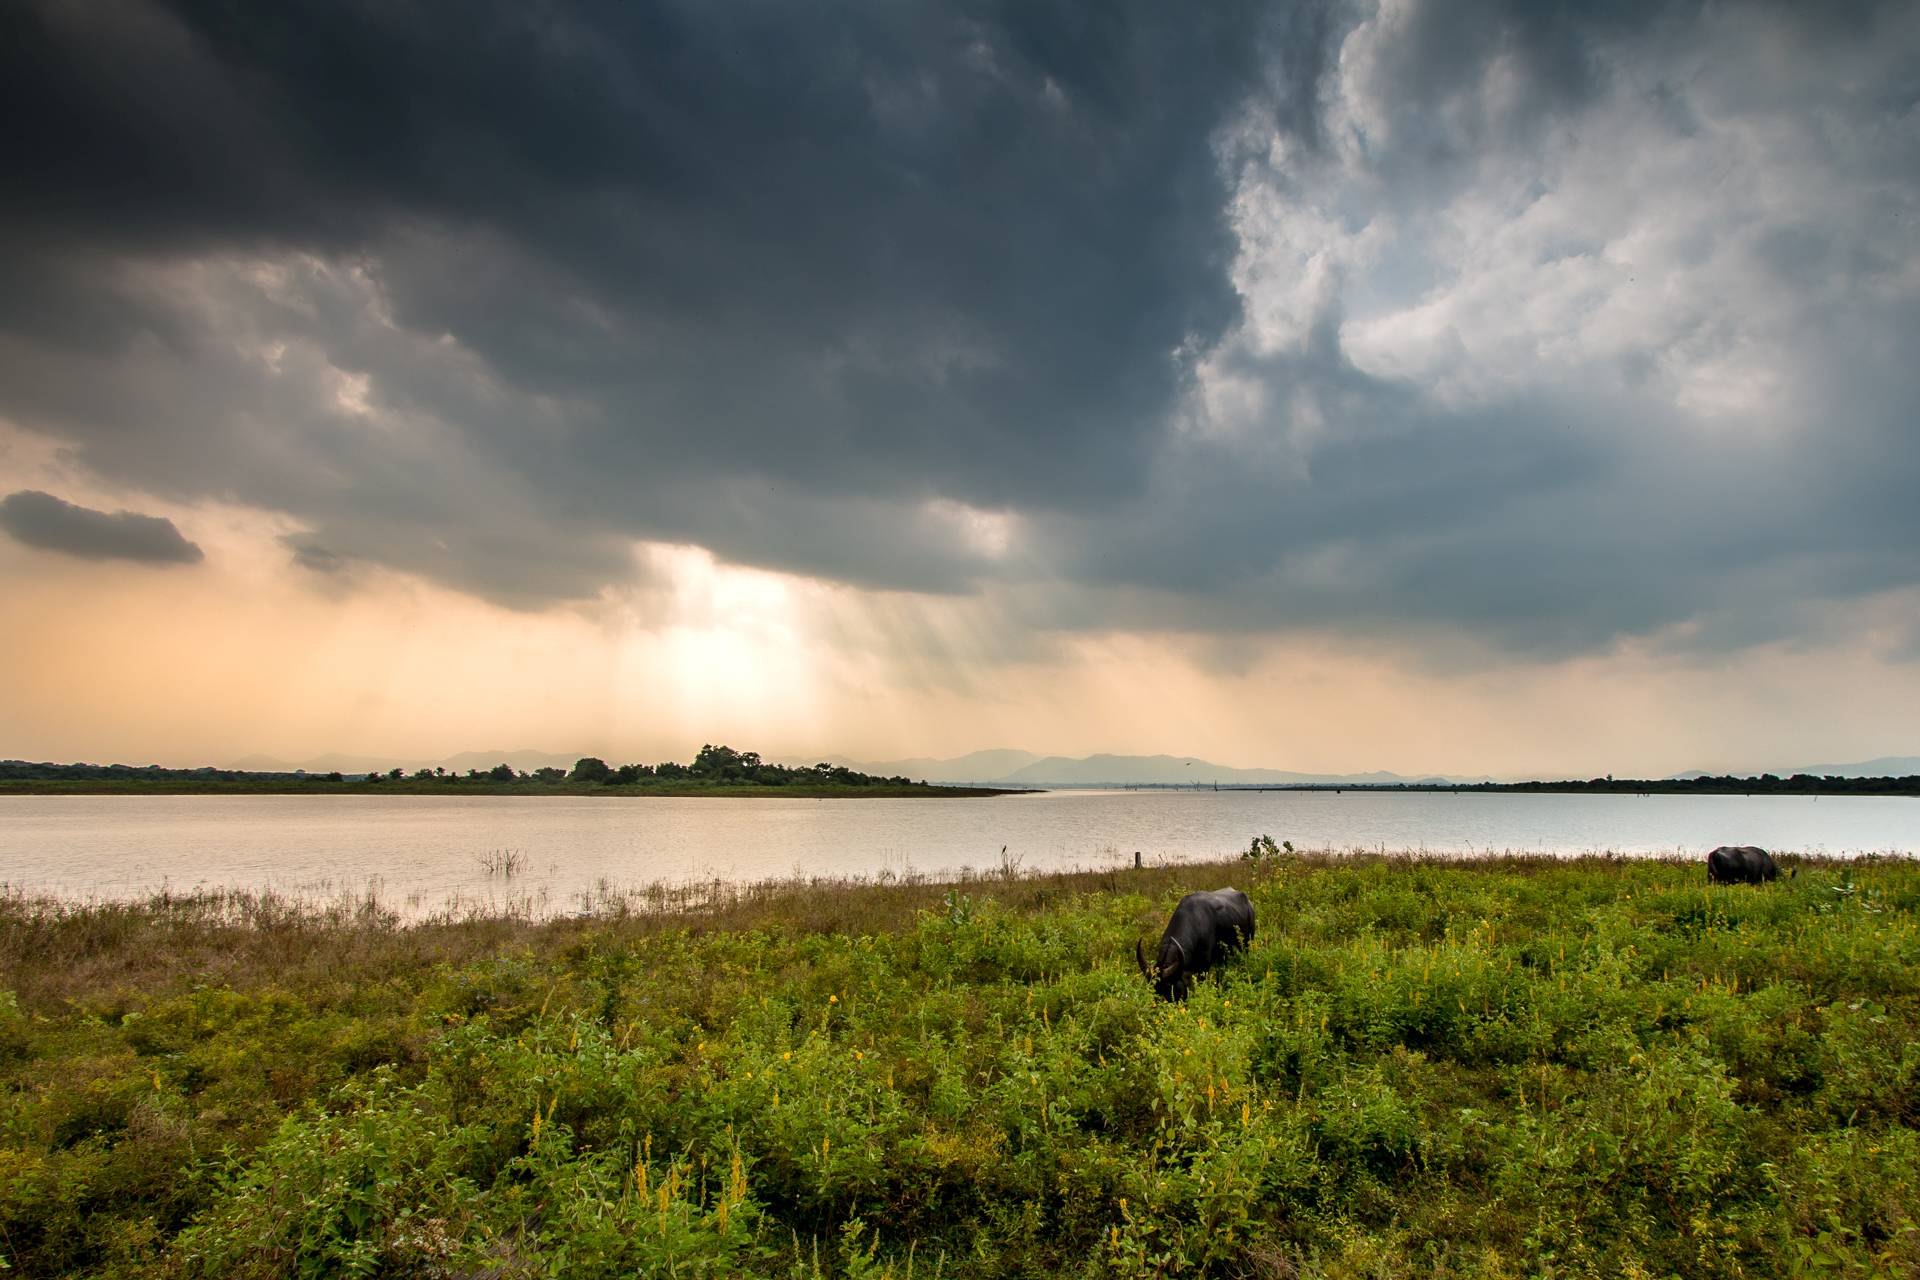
[1496, 1068]
[714, 771]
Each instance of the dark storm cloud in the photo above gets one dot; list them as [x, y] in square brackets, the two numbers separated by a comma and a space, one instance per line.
[41, 520]
[1622, 362]
[850, 247]
[1224, 309]
[1546, 522]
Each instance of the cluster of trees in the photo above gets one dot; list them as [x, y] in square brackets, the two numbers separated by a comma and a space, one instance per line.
[722, 764]
[498, 774]
[30, 771]
[1727, 784]
[716, 765]
[713, 764]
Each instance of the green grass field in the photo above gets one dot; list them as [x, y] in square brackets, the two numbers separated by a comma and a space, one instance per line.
[1495, 1068]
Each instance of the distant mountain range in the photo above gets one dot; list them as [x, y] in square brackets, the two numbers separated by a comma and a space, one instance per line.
[974, 765]
[1009, 768]
[1878, 767]
[1005, 767]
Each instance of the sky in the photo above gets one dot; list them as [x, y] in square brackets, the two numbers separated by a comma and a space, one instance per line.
[1480, 387]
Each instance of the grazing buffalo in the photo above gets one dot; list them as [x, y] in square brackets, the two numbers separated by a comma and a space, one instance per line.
[1205, 926]
[1741, 864]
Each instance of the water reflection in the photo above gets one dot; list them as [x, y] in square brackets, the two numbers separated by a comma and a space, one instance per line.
[547, 855]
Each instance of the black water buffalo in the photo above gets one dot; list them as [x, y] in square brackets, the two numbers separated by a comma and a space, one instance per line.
[1205, 926]
[1741, 864]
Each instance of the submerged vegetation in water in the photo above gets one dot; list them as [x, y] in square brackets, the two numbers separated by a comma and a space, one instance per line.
[1500, 1068]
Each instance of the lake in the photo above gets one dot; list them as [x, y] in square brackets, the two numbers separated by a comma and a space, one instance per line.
[425, 852]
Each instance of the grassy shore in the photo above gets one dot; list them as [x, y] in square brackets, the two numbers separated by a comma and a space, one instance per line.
[1496, 1068]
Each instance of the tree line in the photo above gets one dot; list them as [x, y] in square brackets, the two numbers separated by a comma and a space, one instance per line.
[1766, 784]
[715, 765]
[1726, 784]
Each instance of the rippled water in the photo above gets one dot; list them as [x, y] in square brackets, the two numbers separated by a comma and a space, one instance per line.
[428, 850]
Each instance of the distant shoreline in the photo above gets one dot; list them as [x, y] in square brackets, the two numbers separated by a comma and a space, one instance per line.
[463, 787]
[715, 771]
[135, 781]
[1798, 785]
[1908, 787]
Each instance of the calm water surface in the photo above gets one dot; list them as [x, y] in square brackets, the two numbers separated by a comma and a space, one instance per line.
[426, 851]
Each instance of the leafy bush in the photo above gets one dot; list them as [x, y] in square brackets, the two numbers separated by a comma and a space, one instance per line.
[1504, 1067]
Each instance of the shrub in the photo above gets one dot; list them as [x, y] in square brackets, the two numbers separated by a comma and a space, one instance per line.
[1503, 1067]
